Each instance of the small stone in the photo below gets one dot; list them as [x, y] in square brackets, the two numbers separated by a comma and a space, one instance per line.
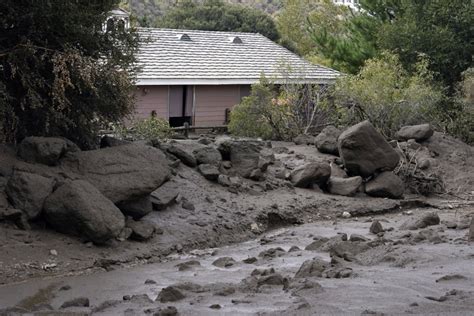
[170, 294]
[357, 237]
[53, 252]
[224, 262]
[376, 228]
[346, 215]
[188, 205]
[215, 306]
[250, 260]
[150, 281]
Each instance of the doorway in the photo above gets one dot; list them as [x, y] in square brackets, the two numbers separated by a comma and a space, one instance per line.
[181, 100]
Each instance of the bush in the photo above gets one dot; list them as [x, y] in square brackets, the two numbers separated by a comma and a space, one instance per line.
[385, 94]
[279, 112]
[147, 129]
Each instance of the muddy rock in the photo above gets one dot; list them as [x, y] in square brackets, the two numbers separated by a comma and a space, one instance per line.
[257, 175]
[183, 153]
[77, 302]
[166, 311]
[305, 287]
[386, 184]
[28, 192]
[423, 221]
[170, 294]
[272, 279]
[337, 171]
[312, 268]
[121, 173]
[224, 262]
[364, 150]
[326, 141]
[417, 132]
[244, 157]
[313, 173]
[344, 186]
[304, 139]
[78, 208]
[317, 243]
[375, 228]
[141, 230]
[207, 155]
[165, 195]
[188, 265]
[209, 171]
[272, 253]
[136, 208]
[45, 150]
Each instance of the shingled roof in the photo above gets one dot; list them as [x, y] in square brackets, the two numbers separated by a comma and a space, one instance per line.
[187, 57]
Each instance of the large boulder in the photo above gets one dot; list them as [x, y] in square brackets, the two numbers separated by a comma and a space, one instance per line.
[364, 150]
[28, 191]
[417, 132]
[326, 141]
[136, 208]
[207, 155]
[386, 184]
[183, 153]
[121, 173]
[310, 174]
[344, 186]
[45, 150]
[165, 195]
[245, 157]
[78, 208]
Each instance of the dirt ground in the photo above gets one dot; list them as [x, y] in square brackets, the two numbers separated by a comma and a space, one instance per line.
[393, 277]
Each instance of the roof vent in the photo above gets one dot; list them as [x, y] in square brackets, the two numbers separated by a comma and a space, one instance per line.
[235, 40]
[184, 37]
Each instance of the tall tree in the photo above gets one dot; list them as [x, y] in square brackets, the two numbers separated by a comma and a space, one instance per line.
[216, 15]
[61, 74]
[441, 30]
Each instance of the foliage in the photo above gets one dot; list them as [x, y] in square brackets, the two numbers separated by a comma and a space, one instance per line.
[216, 15]
[387, 95]
[146, 129]
[61, 75]
[279, 112]
[441, 30]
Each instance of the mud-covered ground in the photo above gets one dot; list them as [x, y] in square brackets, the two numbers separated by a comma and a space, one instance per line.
[423, 271]
[394, 276]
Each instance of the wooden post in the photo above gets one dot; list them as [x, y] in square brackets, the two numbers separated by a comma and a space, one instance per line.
[186, 129]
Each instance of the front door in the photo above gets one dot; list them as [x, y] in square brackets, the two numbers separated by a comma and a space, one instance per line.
[180, 105]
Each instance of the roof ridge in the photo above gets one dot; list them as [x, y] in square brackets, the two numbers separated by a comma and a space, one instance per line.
[194, 31]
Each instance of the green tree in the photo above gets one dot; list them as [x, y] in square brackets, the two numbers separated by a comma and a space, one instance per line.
[61, 74]
[387, 95]
[441, 30]
[216, 15]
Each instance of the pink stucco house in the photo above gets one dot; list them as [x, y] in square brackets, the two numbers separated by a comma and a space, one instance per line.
[198, 76]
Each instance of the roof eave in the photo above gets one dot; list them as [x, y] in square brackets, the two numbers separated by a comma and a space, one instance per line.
[226, 81]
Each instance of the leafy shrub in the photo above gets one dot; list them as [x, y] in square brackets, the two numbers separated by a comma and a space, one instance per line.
[279, 112]
[384, 93]
[147, 129]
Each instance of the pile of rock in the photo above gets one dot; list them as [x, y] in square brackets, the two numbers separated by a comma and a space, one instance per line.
[83, 193]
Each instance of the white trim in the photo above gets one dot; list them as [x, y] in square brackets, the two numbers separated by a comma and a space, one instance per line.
[217, 82]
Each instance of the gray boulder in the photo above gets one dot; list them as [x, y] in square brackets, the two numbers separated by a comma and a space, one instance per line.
[28, 191]
[386, 184]
[184, 154]
[344, 186]
[244, 157]
[136, 208]
[45, 150]
[108, 141]
[326, 141]
[364, 150]
[337, 171]
[121, 173]
[417, 132]
[207, 155]
[423, 221]
[8, 160]
[78, 208]
[209, 171]
[141, 230]
[165, 195]
[313, 173]
[304, 139]
[312, 268]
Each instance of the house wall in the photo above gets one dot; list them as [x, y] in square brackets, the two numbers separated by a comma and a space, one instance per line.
[151, 98]
[210, 102]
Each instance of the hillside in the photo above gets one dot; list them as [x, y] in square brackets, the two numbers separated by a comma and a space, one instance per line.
[153, 8]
